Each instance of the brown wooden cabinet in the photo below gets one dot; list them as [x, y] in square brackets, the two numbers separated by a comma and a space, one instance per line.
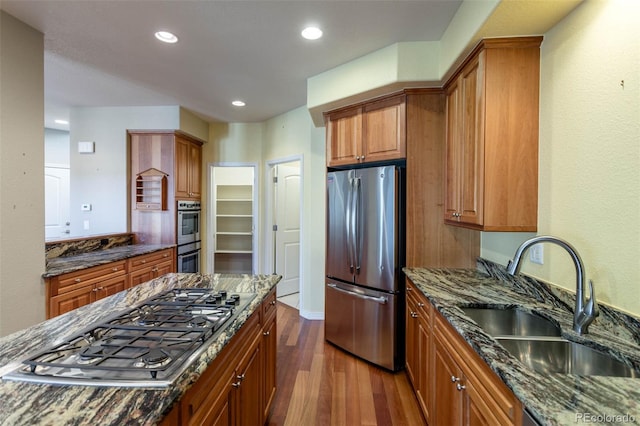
[453, 385]
[176, 155]
[491, 181]
[75, 289]
[370, 132]
[188, 168]
[70, 291]
[149, 266]
[238, 387]
[418, 353]
[270, 351]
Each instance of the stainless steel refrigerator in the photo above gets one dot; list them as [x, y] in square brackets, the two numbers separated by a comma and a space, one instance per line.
[364, 303]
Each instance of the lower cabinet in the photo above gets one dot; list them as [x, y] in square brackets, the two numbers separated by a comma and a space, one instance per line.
[70, 291]
[238, 388]
[455, 386]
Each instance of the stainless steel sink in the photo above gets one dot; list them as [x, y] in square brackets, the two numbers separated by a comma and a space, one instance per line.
[511, 322]
[561, 356]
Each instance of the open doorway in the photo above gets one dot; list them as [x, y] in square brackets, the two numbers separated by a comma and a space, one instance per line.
[285, 197]
[231, 229]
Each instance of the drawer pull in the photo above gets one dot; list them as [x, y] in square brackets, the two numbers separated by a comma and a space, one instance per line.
[78, 280]
[420, 305]
[115, 269]
[143, 261]
[460, 387]
[266, 333]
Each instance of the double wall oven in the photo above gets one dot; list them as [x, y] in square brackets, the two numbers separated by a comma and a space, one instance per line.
[188, 230]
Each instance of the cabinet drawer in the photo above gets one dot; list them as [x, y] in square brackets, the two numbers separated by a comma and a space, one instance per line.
[144, 260]
[74, 280]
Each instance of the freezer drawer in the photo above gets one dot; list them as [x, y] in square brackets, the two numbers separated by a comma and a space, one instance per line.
[363, 322]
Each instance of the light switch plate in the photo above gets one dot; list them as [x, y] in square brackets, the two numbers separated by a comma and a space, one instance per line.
[85, 207]
[86, 147]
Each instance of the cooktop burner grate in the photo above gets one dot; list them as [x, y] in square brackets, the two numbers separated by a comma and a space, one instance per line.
[149, 343]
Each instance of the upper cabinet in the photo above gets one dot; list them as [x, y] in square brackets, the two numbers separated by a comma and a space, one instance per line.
[491, 177]
[188, 168]
[365, 133]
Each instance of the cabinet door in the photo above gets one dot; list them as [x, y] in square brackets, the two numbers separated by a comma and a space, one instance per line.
[163, 268]
[383, 130]
[140, 276]
[270, 345]
[452, 154]
[424, 362]
[448, 406]
[195, 170]
[472, 142]
[110, 286]
[248, 393]
[412, 338]
[344, 137]
[477, 411]
[182, 172]
[69, 301]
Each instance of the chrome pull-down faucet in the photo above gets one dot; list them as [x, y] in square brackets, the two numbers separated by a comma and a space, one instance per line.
[585, 311]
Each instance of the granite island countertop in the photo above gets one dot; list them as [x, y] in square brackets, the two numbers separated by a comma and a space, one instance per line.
[63, 265]
[553, 399]
[44, 404]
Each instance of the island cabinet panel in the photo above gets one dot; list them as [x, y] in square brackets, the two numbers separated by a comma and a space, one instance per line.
[75, 289]
[237, 388]
[270, 351]
[456, 386]
[492, 137]
[366, 133]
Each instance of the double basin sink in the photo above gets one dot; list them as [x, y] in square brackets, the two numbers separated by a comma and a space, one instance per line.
[537, 343]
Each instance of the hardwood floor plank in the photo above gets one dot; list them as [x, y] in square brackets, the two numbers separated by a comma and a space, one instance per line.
[320, 384]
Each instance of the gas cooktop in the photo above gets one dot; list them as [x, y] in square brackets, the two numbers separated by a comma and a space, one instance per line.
[147, 346]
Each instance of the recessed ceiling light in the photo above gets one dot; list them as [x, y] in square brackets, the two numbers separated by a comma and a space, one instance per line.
[238, 103]
[61, 121]
[166, 36]
[312, 33]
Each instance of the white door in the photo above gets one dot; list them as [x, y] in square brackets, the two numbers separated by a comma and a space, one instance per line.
[56, 202]
[287, 235]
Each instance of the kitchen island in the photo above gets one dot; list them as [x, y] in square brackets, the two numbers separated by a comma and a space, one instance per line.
[552, 399]
[45, 404]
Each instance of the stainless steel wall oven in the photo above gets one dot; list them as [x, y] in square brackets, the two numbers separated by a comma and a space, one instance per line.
[188, 236]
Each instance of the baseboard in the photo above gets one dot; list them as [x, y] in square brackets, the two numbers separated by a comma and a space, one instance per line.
[312, 315]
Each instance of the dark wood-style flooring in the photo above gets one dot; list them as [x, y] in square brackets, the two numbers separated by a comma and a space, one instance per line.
[319, 384]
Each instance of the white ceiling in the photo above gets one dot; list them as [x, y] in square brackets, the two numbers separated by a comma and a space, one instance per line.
[103, 53]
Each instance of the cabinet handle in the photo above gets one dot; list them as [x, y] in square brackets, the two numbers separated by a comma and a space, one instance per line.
[266, 333]
[460, 387]
[115, 269]
[240, 377]
[362, 158]
[100, 288]
[414, 315]
[78, 280]
[143, 261]
[420, 305]
[165, 255]
[236, 384]
[95, 289]
[357, 157]
[409, 289]
[455, 379]
[273, 302]
[154, 270]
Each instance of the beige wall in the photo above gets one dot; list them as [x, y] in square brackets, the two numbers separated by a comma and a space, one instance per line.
[21, 175]
[293, 134]
[589, 185]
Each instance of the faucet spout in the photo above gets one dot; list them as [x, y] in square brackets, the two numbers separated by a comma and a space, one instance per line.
[585, 310]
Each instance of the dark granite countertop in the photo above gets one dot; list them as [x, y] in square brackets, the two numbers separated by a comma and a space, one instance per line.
[62, 265]
[553, 399]
[42, 404]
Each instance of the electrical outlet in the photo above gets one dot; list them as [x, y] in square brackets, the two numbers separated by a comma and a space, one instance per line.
[536, 254]
[86, 225]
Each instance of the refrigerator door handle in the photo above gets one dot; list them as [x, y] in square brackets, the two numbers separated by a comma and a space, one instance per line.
[349, 225]
[357, 232]
[382, 299]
